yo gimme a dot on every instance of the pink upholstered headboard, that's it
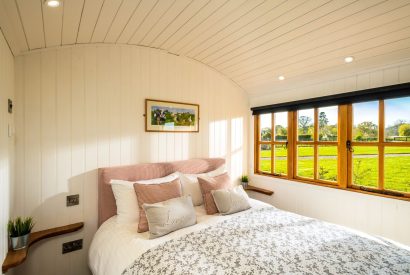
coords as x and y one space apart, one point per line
106 200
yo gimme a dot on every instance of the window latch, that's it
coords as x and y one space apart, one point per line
349 146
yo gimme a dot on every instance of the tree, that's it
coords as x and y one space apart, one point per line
323 121
367 130
266 134
280 130
404 130
304 123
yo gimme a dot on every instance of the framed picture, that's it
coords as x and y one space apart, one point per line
169 116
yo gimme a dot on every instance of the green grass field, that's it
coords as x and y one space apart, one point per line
365 165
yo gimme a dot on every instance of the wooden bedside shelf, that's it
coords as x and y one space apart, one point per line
14 258
259 190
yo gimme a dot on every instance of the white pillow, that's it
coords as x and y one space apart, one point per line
190 185
126 199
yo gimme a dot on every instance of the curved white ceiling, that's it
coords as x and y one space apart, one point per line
250 41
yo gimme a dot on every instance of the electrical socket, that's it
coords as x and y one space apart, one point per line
73 200
72 246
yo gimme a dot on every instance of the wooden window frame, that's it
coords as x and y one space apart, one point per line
345 156
272 143
381 144
315 143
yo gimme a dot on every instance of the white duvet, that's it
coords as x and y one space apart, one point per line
116 245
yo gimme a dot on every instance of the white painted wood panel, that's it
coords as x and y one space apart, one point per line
251 42
126 10
53 22
105 19
84 109
6 142
32 20
371 214
73 10
91 11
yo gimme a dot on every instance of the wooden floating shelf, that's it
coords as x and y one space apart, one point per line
259 190
14 258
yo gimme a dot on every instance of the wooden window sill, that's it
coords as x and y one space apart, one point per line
350 189
259 190
14 258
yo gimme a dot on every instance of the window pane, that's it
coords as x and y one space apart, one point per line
281 126
397 119
396 168
281 159
305 161
305 124
328 123
366 121
266 127
265 158
365 166
327 163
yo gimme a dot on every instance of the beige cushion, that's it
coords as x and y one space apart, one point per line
168 216
207 185
229 201
153 193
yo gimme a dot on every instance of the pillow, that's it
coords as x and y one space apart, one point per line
165 179
170 215
229 201
207 185
126 200
190 186
153 193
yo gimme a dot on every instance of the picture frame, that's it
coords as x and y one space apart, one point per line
171 116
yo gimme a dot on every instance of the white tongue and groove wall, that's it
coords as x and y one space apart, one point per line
6 140
79 108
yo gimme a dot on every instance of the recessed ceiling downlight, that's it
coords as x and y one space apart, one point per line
349 59
281 77
53 3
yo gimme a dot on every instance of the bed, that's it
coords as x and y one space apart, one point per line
260 240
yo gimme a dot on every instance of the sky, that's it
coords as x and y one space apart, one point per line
395 109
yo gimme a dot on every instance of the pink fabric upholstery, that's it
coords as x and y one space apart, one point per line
153 193
207 185
106 200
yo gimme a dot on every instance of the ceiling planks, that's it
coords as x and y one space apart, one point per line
31 17
53 22
124 14
250 41
73 10
106 18
91 11
11 26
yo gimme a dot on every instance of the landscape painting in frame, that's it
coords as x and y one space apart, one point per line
168 116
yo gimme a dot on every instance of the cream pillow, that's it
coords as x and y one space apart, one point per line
126 199
229 201
170 215
190 185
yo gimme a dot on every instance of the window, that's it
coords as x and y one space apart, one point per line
359 146
316 144
272 143
381 145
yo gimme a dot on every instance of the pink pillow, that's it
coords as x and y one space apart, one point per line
207 185
153 193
